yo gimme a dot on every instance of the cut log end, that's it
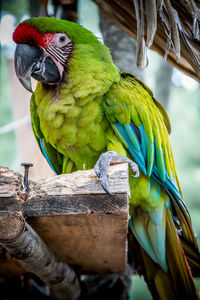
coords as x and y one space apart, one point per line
16 226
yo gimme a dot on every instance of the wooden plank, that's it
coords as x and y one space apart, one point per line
83 225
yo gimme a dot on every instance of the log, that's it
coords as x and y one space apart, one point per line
21 241
84 226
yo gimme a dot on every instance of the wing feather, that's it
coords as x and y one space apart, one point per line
143 129
53 157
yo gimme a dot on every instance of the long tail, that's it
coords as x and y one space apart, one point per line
177 282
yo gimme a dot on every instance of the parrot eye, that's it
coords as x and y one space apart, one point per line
62 39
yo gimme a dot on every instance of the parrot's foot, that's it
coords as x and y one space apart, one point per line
102 165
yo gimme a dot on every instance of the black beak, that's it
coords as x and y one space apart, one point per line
30 61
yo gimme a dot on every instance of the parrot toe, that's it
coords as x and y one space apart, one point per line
102 165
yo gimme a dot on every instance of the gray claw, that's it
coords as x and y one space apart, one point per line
96 168
105 187
102 165
134 168
101 169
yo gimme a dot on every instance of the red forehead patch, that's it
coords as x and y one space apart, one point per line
26 34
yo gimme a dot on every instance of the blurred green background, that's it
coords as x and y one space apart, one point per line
182 103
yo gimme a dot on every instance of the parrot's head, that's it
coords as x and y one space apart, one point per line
47 46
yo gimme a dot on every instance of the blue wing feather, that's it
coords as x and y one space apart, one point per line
46 155
137 155
138 150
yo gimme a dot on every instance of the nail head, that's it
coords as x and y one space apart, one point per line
27 165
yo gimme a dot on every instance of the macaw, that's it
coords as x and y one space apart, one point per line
85 113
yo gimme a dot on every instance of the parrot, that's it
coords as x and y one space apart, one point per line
85 113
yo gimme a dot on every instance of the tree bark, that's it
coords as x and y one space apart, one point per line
21 241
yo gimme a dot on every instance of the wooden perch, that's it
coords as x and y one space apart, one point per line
21 241
84 226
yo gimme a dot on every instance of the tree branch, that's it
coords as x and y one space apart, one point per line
21 241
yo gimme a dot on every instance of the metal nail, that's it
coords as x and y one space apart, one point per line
26 171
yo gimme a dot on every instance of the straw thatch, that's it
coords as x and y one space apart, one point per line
167 26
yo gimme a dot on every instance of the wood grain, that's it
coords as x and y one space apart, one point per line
83 225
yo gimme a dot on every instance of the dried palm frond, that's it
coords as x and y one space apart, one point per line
169 27
141 55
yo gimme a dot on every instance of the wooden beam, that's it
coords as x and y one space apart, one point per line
84 226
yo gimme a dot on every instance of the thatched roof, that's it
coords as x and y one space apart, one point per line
169 27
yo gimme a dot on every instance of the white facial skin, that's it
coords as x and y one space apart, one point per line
56 42
60 40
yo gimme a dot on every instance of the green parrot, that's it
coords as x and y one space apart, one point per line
85 113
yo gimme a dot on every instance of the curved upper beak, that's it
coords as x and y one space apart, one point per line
30 61
25 58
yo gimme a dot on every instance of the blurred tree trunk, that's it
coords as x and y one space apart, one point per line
34 7
122 46
163 83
